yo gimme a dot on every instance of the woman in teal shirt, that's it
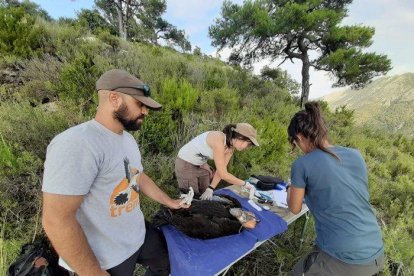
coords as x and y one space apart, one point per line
333 180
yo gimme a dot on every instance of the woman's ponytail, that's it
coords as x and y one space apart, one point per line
310 123
229 132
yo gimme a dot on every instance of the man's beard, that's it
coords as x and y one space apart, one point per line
122 116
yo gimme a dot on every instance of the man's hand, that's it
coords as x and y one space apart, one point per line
207 195
177 204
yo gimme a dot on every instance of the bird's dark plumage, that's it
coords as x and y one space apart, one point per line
205 219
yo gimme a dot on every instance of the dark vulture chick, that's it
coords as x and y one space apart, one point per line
205 219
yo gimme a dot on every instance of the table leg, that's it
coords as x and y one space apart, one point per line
302 236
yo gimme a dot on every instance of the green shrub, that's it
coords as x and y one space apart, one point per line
270 157
19 35
36 92
179 95
157 133
94 22
77 81
9 251
214 78
41 76
65 39
106 37
399 241
219 102
31 129
8 160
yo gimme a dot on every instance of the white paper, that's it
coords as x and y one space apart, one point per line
254 205
280 197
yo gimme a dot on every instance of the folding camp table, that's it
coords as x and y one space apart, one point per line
189 256
286 215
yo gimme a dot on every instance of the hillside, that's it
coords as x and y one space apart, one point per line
386 103
47 84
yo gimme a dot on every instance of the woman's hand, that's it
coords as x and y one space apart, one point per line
251 188
207 195
247 185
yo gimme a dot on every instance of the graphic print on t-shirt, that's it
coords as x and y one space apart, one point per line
125 197
202 157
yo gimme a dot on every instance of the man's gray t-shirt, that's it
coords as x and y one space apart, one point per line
93 161
336 192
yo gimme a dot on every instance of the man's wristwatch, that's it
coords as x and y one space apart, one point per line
211 187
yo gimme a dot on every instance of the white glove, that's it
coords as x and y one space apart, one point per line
251 188
207 195
187 198
252 191
248 186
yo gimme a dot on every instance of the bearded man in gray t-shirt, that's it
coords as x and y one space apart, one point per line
93 175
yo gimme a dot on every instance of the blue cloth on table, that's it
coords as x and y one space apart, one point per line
190 256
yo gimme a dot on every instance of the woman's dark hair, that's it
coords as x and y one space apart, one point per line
231 134
310 123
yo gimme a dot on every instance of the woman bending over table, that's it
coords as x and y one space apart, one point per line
333 180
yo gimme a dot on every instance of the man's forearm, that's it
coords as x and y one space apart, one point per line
71 244
148 187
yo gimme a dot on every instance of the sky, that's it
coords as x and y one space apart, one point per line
393 21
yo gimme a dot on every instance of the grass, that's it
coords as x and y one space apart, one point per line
9 249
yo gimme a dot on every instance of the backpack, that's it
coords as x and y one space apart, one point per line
36 259
265 183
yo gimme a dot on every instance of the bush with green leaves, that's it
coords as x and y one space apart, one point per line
94 22
157 133
65 39
77 81
108 38
219 102
19 35
178 94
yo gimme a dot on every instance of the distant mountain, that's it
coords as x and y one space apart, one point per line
386 103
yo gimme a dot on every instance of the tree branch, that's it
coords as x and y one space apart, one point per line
320 68
283 61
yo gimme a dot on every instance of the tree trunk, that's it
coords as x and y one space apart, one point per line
305 80
121 21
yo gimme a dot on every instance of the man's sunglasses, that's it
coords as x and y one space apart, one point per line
143 87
